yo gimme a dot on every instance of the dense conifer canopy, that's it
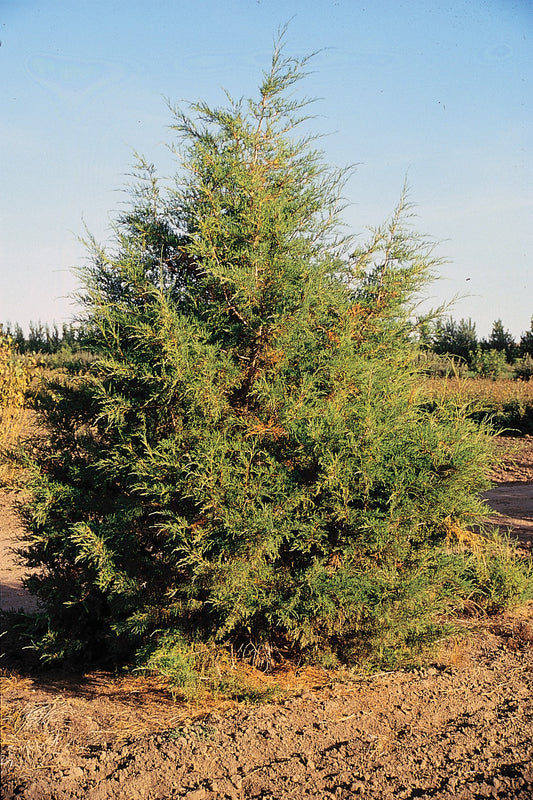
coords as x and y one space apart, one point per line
248 459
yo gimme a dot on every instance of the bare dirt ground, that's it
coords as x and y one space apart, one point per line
458 729
512 497
12 594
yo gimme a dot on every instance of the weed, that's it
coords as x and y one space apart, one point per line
197 670
15 375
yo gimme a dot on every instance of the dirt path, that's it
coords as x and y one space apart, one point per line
460 729
514 504
12 593
512 498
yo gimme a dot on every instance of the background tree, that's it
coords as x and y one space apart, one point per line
455 338
501 341
526 341
249 460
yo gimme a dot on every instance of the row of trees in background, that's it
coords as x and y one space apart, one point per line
497 355
494 356
45 338
444 337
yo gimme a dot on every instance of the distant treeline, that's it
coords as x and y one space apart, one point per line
498 354
494 356
45 338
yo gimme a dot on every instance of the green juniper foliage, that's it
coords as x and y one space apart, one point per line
248 460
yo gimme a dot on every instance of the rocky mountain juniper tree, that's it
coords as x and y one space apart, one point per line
248 460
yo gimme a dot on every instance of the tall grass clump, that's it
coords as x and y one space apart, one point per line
15 376
248 462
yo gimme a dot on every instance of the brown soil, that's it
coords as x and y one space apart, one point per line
512 497
12 594
461 728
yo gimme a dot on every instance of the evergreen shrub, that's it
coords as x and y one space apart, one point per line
247 461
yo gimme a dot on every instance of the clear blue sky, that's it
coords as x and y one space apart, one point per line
438 92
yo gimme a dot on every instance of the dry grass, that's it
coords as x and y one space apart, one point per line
480 390
506 402
30 734
45 720
16 373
